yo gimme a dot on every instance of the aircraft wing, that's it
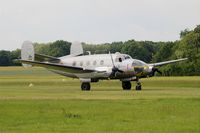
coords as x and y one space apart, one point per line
167 62
56 66
42 58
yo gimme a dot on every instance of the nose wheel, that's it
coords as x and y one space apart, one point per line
138 86
85 86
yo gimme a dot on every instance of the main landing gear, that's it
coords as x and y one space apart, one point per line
126 85
85 86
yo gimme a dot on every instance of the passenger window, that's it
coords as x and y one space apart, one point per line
101 62
120 59
94 63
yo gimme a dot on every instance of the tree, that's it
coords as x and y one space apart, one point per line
57 48
15 55
165 51
5 58
184 33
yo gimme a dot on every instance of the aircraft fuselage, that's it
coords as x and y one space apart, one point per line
103 62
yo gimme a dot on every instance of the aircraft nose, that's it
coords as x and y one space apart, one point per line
148 68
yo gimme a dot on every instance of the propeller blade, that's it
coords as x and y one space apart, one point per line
156 70
114 69
159 72
112 59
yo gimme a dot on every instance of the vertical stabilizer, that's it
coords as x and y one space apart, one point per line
27 52
76 49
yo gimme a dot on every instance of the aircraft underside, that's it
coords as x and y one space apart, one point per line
87 78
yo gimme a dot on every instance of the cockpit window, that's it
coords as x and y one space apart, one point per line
122 57
127 57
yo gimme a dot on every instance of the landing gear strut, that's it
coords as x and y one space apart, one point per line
85 86
126 85
138 86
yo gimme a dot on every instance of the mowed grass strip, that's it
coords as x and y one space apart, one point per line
115 116
35 100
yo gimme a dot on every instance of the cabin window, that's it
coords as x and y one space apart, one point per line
101 62
94 63
120 59
74 63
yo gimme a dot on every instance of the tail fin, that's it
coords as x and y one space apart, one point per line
76 49
27 52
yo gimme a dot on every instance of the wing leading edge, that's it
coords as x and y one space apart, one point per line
167 62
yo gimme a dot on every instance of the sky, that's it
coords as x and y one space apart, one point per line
94 21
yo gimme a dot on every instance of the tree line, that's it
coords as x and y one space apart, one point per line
148 51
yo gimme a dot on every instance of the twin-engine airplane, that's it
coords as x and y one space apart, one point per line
92 68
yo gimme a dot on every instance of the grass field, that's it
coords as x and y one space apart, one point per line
35 100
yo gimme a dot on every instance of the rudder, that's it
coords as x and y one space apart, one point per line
76 49
27 52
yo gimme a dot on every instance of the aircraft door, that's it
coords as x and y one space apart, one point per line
121 63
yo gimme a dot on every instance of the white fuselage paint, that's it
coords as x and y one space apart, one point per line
102 63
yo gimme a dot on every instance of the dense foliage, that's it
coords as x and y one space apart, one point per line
148 51
7 57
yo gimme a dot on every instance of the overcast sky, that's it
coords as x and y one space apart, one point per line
94 21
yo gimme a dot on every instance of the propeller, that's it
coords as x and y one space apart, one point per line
154 70
114 69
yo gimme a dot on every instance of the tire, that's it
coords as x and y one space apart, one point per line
126 85
138 88
85 86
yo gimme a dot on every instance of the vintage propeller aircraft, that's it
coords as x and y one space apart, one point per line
92 68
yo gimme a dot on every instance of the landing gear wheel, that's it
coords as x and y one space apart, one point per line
138 87
85 86
126 85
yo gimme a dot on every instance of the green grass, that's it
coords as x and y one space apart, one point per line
56 104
